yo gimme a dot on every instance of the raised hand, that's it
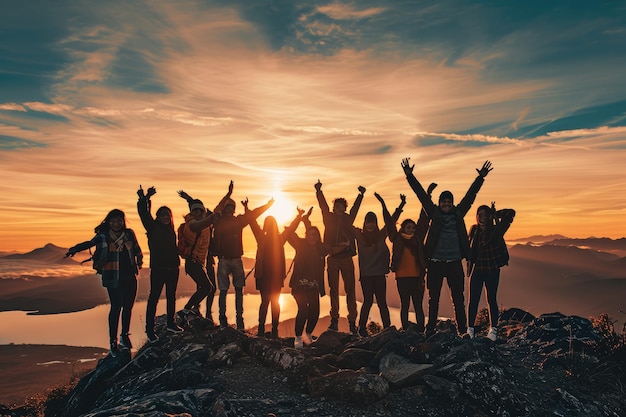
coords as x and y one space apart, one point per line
151 192
139 193
308 213
378 197
244 203
183 194
318 185
300 211
431 187
230 187
406 166
403 198
361 189
485 169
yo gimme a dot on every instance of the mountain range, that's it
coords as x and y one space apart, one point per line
584 277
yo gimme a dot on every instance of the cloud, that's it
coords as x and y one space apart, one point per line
345 12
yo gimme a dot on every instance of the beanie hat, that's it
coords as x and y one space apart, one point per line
230 202
195 204
446 195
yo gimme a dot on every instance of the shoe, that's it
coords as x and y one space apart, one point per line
223 324
493 334
174 328
470 332
125 342
363 332
240 325
210 321
334 325
274 332
114 348
297 342
307 339
429 332
195 311
353 329
152 337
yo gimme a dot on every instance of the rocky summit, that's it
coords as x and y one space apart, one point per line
551 365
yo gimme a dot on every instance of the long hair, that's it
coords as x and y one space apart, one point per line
491 223
161 209
103 227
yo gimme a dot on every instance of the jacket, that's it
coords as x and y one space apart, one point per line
435 215
338 227
161 238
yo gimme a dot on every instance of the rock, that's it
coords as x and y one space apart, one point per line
351 386
407 374
354 358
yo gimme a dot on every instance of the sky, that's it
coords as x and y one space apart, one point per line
97 98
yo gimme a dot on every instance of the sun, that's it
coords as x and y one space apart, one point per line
283 209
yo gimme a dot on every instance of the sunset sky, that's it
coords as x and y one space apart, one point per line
99 97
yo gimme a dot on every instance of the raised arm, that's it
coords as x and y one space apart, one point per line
470 195
143 207
222 203
185 196
390 224
198 225
256 229
398 211
422 195
321 200
253 214
289 230
357 204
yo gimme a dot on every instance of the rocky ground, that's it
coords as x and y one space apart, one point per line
552 365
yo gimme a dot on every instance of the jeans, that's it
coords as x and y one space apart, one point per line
226 268
453 271
122 300
490 279
345 265
308 301
197 272
411 288
160 277
374 286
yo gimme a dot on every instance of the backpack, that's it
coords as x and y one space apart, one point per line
184 248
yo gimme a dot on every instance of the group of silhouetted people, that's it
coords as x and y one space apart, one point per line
423 253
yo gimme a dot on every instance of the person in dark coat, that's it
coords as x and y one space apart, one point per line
446 244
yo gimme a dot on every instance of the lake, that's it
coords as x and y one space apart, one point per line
90 328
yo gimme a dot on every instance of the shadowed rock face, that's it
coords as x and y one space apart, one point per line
546 366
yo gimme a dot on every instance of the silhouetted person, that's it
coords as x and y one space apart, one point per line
488 253
197 236
307 279
164 260
373 257
229 246
407 262
118 259
269 267
446 244
339 237
210 261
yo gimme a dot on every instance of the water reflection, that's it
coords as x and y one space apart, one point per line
89 327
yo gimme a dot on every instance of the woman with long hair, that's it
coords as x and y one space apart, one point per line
269 269
164 261
488 253
373 256
118 259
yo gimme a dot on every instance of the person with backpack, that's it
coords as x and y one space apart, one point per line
164 261
269 267
446 244
488 253
210 257
118 259
194 236
307 279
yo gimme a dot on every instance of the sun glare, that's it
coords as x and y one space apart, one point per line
283 209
